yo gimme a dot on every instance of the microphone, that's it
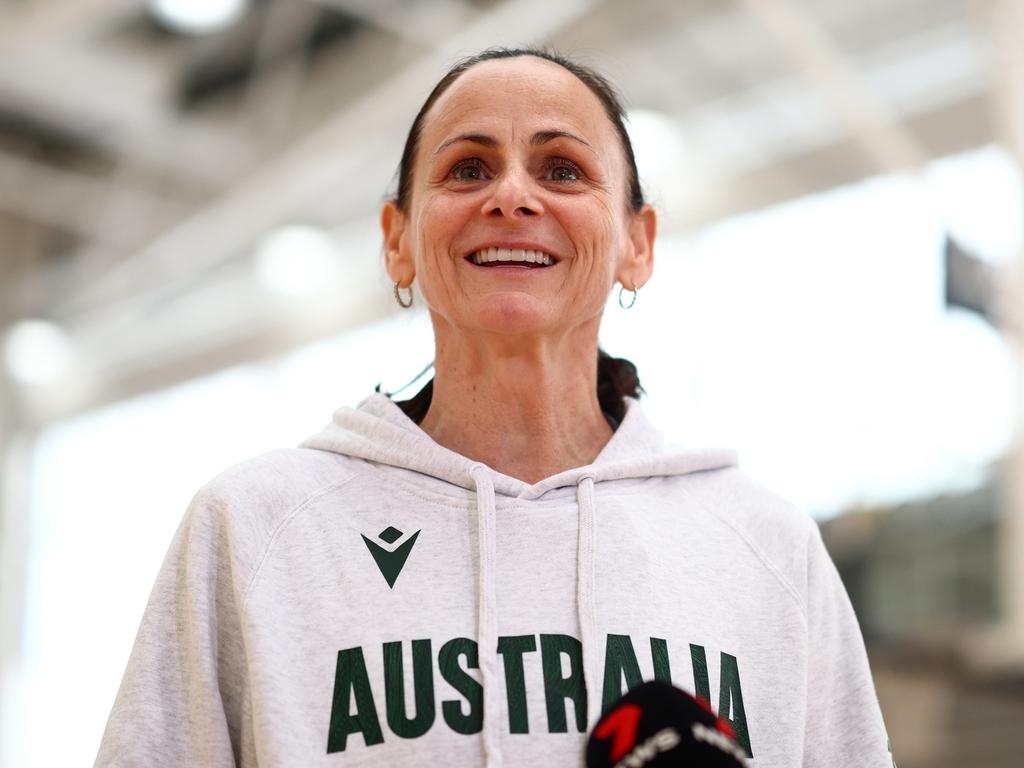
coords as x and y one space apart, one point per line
657 725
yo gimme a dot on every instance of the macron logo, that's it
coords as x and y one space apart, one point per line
390 561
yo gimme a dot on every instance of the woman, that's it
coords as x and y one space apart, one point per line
470 576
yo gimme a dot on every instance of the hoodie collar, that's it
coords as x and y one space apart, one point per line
378 430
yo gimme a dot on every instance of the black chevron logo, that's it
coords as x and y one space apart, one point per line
390 562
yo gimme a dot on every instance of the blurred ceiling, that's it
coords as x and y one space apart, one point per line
140 167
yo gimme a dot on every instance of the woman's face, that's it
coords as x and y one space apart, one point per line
518 158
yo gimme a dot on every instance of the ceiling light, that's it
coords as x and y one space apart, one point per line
197 17
36 351
296 260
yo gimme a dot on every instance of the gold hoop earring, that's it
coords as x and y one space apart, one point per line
398 297
632 301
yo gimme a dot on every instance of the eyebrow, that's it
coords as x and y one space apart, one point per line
543 137
539 138
475 138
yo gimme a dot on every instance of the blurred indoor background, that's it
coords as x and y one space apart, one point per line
191 274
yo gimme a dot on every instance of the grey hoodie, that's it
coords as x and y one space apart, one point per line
374 599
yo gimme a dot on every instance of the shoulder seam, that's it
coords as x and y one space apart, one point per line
765 561
285 521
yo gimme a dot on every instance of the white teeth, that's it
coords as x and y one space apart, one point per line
486 255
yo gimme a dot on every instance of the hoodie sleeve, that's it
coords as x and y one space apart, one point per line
182 697
844 721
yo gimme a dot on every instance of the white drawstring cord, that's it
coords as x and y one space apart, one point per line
585 604
487 616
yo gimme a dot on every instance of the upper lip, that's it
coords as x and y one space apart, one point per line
522 245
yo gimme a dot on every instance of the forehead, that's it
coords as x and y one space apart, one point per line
524 91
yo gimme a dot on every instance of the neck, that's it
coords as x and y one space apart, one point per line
528 411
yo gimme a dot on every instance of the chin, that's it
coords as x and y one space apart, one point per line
508 314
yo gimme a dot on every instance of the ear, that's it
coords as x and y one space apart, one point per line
638 266
397 259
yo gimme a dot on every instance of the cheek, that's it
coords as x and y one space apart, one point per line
597 231
434 233
426 237
437 225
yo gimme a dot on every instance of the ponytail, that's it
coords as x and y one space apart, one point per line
616 378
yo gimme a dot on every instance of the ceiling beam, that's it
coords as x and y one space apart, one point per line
420 23
121 105
944 130
347 160
811 50
76 203
52 69
27 25
317 167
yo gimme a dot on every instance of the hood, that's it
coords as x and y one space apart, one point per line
379 431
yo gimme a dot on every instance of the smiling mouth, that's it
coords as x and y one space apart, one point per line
511 257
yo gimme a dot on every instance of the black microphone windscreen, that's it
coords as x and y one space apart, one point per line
657 725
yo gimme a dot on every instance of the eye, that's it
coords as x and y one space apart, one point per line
468 170
563 171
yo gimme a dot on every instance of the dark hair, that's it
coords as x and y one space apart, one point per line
616 377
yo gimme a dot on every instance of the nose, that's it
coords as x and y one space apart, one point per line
513 195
